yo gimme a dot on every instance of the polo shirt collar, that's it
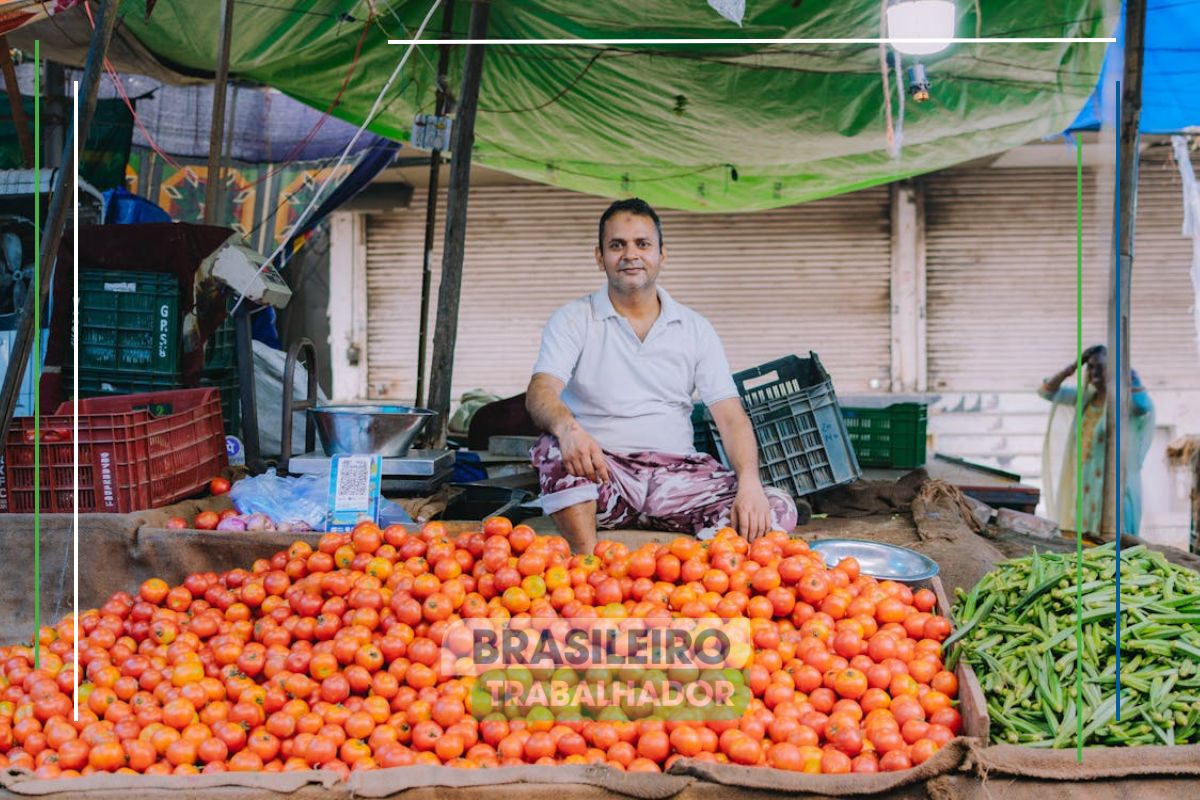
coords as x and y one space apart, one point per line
602 307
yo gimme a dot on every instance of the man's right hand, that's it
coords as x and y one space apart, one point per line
581 454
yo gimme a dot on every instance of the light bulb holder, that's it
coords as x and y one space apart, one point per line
918 83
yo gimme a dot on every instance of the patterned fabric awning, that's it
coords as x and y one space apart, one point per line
15 13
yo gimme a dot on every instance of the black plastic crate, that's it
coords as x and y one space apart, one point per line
803 445
702 436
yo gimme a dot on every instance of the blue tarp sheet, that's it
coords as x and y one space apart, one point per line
1170 76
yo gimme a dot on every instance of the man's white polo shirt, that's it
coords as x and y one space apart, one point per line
634 395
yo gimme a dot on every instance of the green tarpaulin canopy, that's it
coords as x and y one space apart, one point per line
707 128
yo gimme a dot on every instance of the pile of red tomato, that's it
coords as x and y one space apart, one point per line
329 658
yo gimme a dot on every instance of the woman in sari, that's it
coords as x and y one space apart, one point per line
1058 462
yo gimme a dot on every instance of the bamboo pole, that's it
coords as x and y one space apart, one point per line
454 246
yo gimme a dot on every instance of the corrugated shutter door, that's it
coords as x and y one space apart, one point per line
1163 331
811 277
1000 256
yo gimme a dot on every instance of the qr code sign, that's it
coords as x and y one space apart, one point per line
354 483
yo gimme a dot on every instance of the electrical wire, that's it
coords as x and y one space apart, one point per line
366 121
889 130
561 94
291 10
120 87
290 157
299 146
556 165
285 199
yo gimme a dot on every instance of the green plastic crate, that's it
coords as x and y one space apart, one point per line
220 351
893 436
231 399
97 383
102 383
129 321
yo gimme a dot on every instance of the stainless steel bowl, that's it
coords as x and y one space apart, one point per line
879 560
369 428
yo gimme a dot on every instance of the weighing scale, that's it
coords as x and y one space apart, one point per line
419 472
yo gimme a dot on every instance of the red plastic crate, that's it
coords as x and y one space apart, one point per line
129 460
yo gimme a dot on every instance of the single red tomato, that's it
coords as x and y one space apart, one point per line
206 521
218 486
176 524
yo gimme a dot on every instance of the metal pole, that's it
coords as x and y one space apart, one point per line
54 113
56 216
246 395
227 155
216 131
20 121
1120 280
435 167
453 248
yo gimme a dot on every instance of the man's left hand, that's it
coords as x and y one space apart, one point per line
751 512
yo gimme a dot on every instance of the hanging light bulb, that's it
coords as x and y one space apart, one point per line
920 19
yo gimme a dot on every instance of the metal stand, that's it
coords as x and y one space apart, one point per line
245 370
290 405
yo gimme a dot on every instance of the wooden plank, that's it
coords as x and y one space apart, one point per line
216 131
56 218
20 121
972 706
445 333
1120 280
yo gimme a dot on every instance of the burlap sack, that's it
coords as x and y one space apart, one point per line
567 778
870 498
112 557
1009 772
226 786
1099 763
687 779
945 531
944 761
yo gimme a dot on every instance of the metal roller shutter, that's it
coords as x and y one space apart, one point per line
786 281
1000 249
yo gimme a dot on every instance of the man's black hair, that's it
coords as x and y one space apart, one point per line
638 208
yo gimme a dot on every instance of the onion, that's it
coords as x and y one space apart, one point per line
259 522
232 524
301 526
284 527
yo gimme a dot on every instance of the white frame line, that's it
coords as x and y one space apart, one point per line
753 41
75 379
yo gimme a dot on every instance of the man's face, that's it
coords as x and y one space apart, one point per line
630 256
1096 372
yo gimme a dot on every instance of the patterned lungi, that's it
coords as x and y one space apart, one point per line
655 491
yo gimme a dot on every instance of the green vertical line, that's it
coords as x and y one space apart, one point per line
1079 387
37 347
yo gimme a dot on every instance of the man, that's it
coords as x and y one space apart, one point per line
612 388
1060 483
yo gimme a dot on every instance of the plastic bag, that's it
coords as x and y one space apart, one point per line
121 207
268 387
291 500
303 499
